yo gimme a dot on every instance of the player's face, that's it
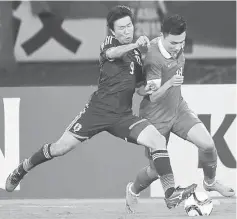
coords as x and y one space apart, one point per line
123 30
174 43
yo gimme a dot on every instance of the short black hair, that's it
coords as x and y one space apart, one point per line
118 12
173 24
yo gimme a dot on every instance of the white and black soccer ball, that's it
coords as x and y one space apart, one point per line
198 204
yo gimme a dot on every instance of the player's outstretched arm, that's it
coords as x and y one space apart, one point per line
117 52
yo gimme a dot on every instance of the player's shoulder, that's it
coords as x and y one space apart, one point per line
153 55
109 40
154 48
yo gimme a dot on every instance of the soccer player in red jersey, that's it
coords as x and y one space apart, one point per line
164 106
110 108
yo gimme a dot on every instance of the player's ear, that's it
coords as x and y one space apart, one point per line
162 35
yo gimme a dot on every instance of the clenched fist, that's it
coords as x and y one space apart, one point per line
142 41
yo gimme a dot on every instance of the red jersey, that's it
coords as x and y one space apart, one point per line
157 66
118 78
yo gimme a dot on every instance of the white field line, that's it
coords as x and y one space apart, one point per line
72 203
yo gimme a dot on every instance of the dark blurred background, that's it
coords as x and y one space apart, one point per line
57 43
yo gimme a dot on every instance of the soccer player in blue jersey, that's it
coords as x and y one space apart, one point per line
110 108
164 106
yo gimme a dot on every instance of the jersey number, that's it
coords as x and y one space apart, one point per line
179 71
132 68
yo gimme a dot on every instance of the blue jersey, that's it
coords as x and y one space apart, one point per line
118 78
156 66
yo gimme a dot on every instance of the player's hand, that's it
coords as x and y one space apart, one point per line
176 80
151 87
143 41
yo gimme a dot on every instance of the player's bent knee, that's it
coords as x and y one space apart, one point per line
158 143
152 138
209 145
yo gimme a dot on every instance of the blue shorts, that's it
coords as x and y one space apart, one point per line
180 125
92 121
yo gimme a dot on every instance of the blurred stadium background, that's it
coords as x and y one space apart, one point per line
210 47
49 67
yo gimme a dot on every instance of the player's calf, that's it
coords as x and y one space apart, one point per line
199 136
151 137
41 156
144 178
65 144
208 160
17 175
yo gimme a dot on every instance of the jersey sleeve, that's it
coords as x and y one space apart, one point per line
108 43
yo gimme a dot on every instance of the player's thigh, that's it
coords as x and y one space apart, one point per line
88 123
72 135
124 127
183 122
140 131
189 127
200 136
151 138
164 128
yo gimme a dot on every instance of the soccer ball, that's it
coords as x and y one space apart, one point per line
198 204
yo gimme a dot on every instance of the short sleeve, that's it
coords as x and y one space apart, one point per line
108 43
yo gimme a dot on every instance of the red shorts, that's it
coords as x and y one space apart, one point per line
179 125
92 121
